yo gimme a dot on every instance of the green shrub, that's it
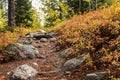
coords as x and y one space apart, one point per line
3 22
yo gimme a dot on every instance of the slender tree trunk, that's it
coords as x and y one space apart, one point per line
80 6
60 10
11 13
96 4
90 5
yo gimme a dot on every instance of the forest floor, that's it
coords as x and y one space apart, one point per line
48 66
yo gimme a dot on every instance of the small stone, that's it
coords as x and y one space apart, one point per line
43 31
53 39
8 73
35 66
49 46
92 76
43 40
96 76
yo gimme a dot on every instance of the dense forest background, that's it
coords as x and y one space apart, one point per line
21 12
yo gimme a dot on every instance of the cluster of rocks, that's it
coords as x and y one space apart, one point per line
77 61
24 49
18 51
41 35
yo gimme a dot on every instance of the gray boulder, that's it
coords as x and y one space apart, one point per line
30 51
73 63
18 51
38 35
23 72
96 76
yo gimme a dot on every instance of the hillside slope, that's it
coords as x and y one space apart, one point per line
96 33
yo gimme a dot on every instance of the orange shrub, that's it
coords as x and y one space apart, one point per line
8 37
96 33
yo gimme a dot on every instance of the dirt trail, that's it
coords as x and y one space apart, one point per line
49 64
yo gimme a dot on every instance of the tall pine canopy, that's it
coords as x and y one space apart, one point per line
23 12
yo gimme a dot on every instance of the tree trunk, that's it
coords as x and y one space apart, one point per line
11 13
96 4
60 10
81 6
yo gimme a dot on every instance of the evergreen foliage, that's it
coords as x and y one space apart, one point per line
59 10
23 13
55 12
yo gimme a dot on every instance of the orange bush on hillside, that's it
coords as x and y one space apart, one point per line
8 37
96 33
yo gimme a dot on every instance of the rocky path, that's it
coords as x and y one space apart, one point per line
39 51
48 65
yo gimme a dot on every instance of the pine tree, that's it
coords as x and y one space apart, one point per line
23 12
78 6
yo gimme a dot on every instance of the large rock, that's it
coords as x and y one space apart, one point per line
73 63
96 76
23 72
38 35
18 51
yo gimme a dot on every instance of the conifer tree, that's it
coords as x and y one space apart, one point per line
23 14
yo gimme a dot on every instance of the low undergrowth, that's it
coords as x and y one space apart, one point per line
12 35
9 37
96 33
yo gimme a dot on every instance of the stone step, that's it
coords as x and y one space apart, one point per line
48 74
44 78
46 68
50 78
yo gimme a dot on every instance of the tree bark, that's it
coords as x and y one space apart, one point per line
60 10
11 13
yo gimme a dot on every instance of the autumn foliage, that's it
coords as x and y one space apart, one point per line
96 33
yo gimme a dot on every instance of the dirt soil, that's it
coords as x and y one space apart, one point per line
49 64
